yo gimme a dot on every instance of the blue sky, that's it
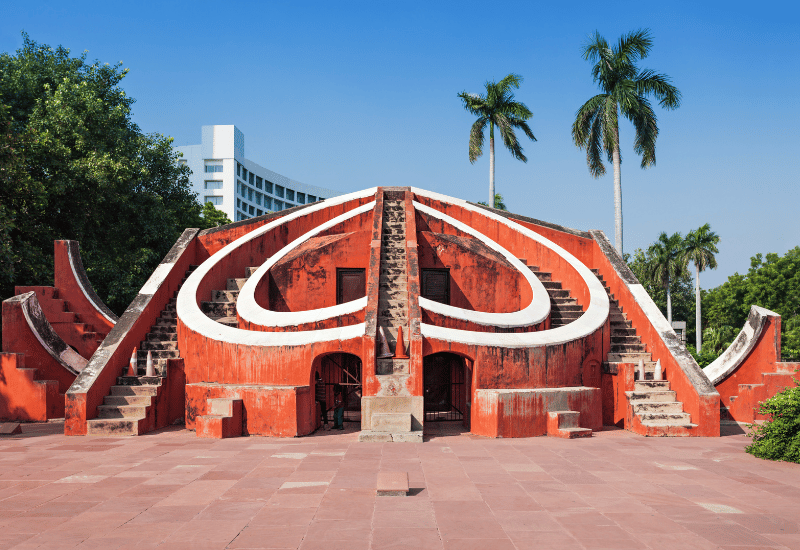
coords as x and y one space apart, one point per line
348 95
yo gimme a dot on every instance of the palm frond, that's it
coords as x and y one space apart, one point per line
473 103
648 82
510 81
594 147
476 138
634 46
510 138
584 118
646 124
610 121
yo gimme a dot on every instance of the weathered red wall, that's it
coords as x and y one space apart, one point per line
306 278
22 396
281 412
524 414
478 281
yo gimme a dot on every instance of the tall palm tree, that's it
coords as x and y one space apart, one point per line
497 108
699 248
624 88
666 264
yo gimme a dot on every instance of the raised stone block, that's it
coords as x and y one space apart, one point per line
392 404
10 428
392 484
391 422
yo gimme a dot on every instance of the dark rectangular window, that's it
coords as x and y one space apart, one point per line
278 205
351 284
268 186
279 191
312 198
258 211
244 174
238 169
268 203
252 210
301 197
436 285
258 182
289 195
252 179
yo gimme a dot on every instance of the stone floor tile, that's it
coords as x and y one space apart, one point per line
270 537
478 544
415 538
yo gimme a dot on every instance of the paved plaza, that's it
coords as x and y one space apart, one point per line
172 490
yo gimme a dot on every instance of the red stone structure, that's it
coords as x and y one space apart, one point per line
751 370
48 335
513 326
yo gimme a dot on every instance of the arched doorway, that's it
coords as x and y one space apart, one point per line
342 370
446 388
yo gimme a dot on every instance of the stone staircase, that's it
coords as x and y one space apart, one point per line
388 415
563 307
564 424
224 419
222 307
652 402
128 409
82 337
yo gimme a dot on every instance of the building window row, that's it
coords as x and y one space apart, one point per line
213 166
216 201
259 183
213 184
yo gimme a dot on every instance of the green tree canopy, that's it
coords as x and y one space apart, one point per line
498 202
75 166
773 282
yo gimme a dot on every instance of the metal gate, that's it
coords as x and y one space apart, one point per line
444 386
343 370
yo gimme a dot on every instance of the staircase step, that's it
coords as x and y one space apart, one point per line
648 385
652 396
130 391
162 337
122 400
235 284
665 419
121 411
643 407
158 345
114 426
224 295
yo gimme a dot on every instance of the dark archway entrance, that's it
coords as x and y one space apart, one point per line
344 370
445 387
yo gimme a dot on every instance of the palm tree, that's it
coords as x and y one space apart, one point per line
625 88
699 248
666 264
497 108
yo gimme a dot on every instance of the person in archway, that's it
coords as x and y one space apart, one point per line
319 393
338 411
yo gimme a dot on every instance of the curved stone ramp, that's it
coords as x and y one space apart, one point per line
750 371
592 320
532 314
196 321
86 300
733 357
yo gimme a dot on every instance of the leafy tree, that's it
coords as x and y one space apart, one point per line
75 166
680 287
624 88
498 202
699 248
665 264
497 108
213 217
773 282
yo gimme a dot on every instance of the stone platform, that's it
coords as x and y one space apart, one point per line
172 490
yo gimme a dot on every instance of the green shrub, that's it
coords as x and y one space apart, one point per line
778 438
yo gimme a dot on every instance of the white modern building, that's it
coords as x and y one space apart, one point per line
239 187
